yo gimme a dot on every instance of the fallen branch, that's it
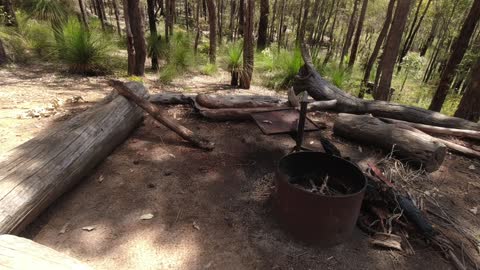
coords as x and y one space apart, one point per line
172 98
160 116
462 133
323 105
212 101
232 113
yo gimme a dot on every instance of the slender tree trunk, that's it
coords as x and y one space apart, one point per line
83 13
460 47
136 25
220 21
316 12
321 35
378 45
197 22
101 14
248 49
392 47
332 41
431 36
185 6
263 25
299 19
411 34
351 27
280 26
303 26
212 21
3 54
153 31
233 4
272 24
469 107
11 19
241 17
356 40
130 47
117 17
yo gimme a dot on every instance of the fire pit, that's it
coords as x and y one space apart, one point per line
318 197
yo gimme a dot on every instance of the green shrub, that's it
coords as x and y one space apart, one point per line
85 52
234 56
279 68
179 56
16 45
209 69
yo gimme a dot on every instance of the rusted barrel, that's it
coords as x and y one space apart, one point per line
324 220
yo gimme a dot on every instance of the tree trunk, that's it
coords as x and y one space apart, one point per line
469 107
392 47
101 13
280 26
263 25
36 173
153 32
431 35
117 17
197 22
412 34
11 19
185 7
233 8
139 45
213 101
248 52
415 148
303 26
21 253
241 17
3 54
460 47
378 45
130 47
356 40
220 22
83 13
309 80
351 27
272 23
212 21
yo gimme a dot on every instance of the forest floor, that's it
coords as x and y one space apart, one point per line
211 210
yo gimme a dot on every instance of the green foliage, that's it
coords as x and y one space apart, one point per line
209 69
179 56
234 56
50 10
15 44
85 52
279 68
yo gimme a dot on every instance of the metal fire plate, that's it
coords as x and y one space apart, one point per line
281 121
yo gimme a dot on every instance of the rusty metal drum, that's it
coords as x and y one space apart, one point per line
323 220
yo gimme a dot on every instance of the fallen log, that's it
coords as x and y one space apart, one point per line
323 105
212 101
228 114
18 253
462 133
309 80
161 117
172 98
413 147
37 172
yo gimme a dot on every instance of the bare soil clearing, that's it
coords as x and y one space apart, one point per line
211 210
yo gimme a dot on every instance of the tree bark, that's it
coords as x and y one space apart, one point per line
415 148
280 26
185 7
21 253
83 13
241 17
152 23
197 22
101 13
431 35
303 25
263 25
351 27
136 26
212 101
469 107
358 33
378 45
392 47
161 117
459 49
130 47
309 80
212 21
117 17
36 173
220 22
11 19
248 52
233 8
3 54
272 23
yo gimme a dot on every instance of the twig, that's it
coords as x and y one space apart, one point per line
324 185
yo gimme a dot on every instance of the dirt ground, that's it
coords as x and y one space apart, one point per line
211 210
